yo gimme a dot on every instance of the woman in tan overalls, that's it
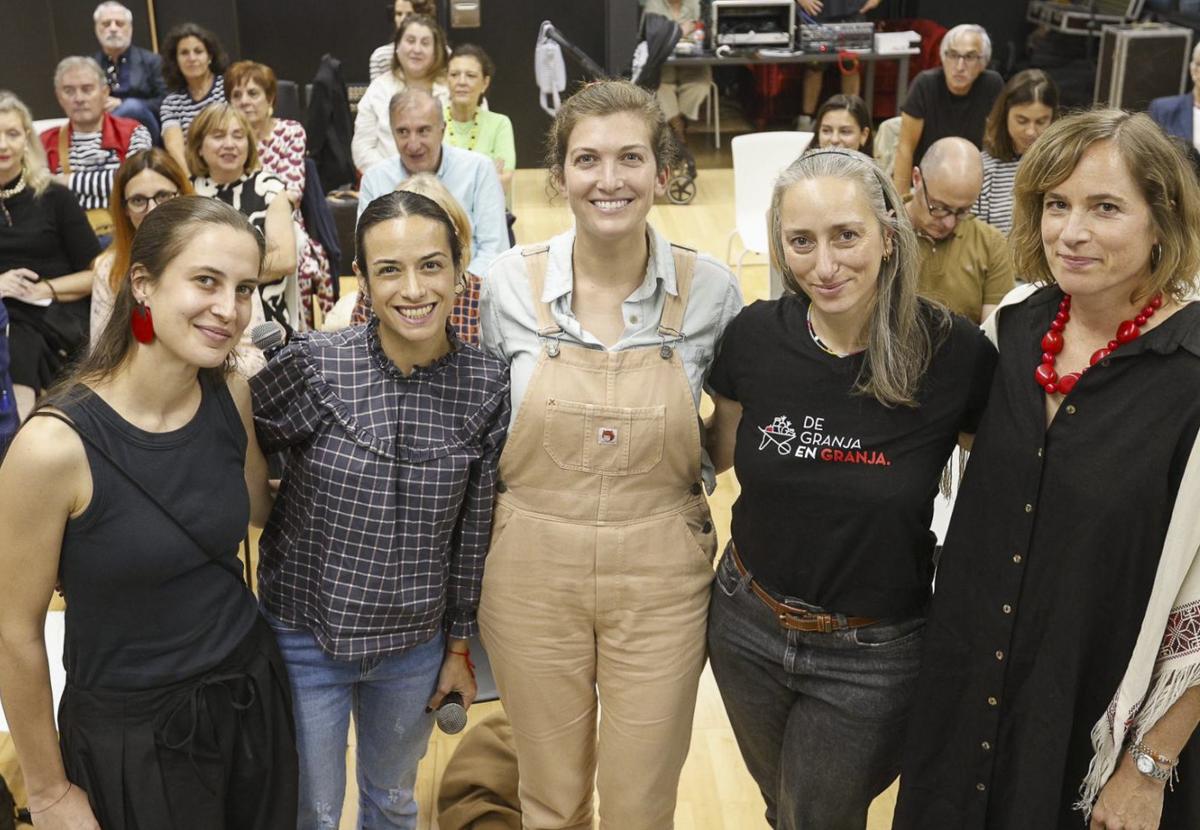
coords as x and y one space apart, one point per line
595 591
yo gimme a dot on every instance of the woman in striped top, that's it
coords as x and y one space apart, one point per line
193 63
1023 111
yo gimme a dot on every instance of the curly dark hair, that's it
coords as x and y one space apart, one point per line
170 48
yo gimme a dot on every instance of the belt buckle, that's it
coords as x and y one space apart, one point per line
825 623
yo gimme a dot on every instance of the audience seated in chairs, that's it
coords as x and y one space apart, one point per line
223 161
143 182
418 62
468 125
281 150
844 121
193 66
1023 111
85 153
965 262
135 81
470 177
46 246
381 58
953 100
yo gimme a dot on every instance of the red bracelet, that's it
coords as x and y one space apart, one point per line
466 655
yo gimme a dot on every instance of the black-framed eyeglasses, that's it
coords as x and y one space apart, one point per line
969 58
140 203
941 211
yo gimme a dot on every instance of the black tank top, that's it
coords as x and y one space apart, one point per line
146 606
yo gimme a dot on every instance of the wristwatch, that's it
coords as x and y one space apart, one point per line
1150 764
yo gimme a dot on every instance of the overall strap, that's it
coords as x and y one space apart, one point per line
91 442
64 148
537 259
671 324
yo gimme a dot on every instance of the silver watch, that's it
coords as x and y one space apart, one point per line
1148 764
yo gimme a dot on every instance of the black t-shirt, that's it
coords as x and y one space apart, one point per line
946 114
837 489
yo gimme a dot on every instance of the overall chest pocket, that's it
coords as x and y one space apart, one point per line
604 440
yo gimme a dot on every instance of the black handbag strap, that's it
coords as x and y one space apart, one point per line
91 442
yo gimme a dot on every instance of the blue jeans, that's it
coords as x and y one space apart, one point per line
819 718
388 696
139 110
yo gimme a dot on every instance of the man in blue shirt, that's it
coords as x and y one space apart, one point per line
134 74
418 127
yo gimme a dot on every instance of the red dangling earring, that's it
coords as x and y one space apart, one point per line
142 323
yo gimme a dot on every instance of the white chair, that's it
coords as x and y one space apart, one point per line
42 124
758 158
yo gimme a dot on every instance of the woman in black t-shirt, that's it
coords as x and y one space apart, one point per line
839 405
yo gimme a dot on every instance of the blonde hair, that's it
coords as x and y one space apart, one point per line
431 187
213 117
902 332
1163 175
33 160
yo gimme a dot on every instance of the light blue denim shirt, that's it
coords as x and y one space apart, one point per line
508 322
471 178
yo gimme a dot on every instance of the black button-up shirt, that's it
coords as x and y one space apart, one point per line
383 518
1045 576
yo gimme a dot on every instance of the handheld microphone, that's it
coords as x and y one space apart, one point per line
451 715
270 336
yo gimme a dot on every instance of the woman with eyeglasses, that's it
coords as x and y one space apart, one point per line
838 405
953 99
143 182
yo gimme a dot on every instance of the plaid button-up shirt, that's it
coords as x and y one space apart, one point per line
383 518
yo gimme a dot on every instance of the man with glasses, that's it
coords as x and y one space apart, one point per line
965 263
1178 114
952 100
135 81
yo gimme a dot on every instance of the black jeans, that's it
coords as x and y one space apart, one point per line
819 718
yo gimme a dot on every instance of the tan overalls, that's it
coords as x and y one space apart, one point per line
599 574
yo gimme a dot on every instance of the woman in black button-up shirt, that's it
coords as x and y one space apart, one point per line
1063 651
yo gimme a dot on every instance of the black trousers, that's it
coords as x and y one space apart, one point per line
214 751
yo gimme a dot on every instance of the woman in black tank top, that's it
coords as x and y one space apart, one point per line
128 488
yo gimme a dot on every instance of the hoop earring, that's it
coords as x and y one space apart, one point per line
141 322
1155 256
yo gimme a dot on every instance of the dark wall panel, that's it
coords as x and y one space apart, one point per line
218 16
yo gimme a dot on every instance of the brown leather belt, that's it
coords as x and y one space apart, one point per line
798 619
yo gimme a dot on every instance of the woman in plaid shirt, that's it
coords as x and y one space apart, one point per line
373 556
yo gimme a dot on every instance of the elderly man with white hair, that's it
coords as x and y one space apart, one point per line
85 152
951 100
134 74
1178 114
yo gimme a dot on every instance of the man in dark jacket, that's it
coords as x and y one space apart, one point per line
1176 114
135 81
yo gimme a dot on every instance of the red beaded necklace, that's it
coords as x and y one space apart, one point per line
1052 344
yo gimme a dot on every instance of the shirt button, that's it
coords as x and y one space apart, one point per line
986 746
633 318
1070 409
1006 608
992 701
1016 559
1040 452
999 655
501 487
980 786
1028 508
696 488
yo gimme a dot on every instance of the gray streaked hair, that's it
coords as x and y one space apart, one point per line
967 29
111 5
900 338
72 62
408 98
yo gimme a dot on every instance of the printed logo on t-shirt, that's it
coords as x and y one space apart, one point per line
816 444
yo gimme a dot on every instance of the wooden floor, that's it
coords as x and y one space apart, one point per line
716 792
